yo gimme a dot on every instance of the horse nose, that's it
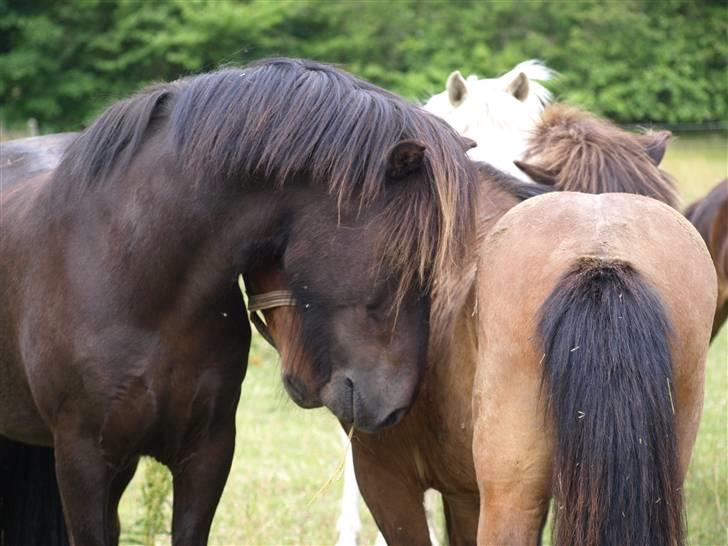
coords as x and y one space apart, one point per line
298 392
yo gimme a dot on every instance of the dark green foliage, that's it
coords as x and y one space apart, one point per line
632 60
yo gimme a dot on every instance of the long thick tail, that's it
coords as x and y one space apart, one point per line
607 372
30 503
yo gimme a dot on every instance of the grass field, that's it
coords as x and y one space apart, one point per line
284 454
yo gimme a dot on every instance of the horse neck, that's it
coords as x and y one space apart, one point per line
153 231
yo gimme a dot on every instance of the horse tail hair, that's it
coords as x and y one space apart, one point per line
607 373
30 502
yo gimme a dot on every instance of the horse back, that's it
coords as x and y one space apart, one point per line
537 242
24 158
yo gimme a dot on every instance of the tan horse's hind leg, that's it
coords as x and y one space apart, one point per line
511 449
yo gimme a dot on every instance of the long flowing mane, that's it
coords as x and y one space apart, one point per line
589 154
284 119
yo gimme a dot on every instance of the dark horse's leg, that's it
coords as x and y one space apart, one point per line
118 485
84 479
198 481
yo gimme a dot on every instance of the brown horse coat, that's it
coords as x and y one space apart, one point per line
709 215
522 261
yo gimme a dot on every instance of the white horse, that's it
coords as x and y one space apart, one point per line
499 115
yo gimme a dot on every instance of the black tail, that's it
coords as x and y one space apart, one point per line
607 371
30 503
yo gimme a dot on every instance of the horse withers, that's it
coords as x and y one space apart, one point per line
123 329
594 323
709 215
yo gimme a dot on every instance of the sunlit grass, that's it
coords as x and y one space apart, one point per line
284 454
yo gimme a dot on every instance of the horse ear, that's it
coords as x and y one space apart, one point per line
656 145
404 158
468 143
537 174
519 87
457 89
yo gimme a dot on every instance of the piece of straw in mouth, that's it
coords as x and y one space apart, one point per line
336 475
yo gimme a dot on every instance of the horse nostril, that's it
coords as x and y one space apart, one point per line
393 418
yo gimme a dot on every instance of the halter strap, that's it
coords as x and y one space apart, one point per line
268 300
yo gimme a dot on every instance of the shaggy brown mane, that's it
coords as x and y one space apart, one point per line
282 120
589 154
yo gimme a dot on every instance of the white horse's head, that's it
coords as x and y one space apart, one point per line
497 113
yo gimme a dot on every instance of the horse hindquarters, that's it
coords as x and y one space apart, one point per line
30 504
608 375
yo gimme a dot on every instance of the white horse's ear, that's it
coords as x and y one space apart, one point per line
519 87
457 89
656 145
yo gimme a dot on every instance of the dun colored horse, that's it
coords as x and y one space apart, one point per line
574 150
123 329
709 215
594 315
431 447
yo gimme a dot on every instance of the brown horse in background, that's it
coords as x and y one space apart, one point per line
574 150
594 315
123 329
431 447
709 215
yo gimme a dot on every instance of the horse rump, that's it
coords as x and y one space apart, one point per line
30 503
608 378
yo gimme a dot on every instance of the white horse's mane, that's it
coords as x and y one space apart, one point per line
497 113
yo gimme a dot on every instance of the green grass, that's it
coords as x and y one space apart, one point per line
284 454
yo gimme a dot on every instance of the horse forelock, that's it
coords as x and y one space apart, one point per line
281 120
590 154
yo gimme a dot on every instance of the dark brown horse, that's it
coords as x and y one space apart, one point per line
27 157
709 215
431 447
123 329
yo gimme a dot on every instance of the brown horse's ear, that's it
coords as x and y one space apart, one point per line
656 145
457 89
468 143
519 87
404 158
537 174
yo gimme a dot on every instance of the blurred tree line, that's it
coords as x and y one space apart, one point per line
61 61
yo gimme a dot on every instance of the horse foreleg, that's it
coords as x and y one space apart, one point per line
198 480
461 518
394 497
349 523
116 489
84 479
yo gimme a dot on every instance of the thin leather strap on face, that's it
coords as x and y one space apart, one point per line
268 300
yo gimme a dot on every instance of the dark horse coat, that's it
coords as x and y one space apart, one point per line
123 331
